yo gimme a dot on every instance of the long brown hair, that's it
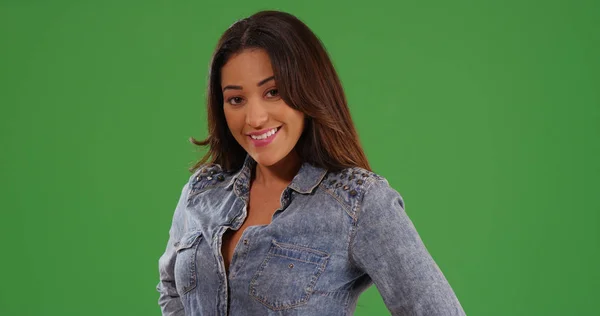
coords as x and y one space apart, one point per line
306 81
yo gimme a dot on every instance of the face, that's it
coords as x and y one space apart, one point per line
261 122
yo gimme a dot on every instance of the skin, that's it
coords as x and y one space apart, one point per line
251 104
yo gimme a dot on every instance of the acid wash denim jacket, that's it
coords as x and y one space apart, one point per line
334 235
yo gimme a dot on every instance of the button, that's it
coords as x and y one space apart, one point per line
245 241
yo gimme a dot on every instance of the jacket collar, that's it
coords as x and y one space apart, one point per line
305 181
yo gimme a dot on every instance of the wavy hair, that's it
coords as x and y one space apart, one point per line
306 81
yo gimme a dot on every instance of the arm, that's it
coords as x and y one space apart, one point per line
387 247
169 300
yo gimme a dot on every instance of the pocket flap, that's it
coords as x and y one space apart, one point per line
188 240
301 253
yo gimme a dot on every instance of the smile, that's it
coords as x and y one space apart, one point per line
265 135
265 138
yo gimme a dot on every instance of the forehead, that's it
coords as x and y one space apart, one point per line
250 65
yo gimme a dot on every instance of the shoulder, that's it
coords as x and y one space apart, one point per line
207 176
350 186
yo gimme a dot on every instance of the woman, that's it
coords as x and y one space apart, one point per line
286 217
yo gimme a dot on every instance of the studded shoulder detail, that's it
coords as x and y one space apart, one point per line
207 176
349 185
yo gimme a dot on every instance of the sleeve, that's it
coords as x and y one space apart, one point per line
387 247
169 300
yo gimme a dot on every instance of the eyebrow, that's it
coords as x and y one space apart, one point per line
260 83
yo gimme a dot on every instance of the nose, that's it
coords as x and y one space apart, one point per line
256 114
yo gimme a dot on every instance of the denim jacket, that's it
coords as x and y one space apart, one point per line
334 235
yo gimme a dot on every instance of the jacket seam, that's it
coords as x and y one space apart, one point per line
347 209
192 193
355 223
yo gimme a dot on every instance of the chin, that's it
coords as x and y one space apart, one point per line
267 160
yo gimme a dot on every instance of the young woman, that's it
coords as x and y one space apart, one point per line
284 216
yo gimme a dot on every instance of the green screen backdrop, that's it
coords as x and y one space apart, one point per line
484 115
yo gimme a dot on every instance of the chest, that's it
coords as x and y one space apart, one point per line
287 254
262 205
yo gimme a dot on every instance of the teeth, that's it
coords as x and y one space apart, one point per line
265 135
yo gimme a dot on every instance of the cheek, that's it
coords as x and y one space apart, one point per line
233 119
298 119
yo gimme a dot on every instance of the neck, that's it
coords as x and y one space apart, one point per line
279 174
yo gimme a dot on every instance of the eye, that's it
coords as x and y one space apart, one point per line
235 100
273 93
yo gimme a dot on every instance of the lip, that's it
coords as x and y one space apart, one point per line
261 132
263 142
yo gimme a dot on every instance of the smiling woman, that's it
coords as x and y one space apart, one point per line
305 79
283 215
255 112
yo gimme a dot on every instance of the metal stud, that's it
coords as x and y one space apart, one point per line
346 188
359 181
291 265
353 193
209 178
339 184
220 177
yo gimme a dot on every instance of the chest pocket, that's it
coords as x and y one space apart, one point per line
186 276
287 276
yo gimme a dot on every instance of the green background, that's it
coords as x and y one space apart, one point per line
484 115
